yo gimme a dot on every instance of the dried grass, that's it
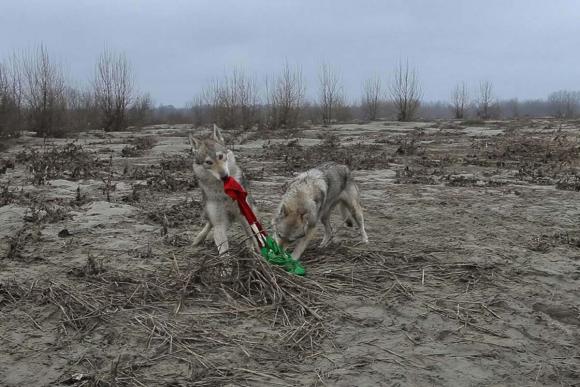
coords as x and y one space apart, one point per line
187 308
298 159
519 146
70 161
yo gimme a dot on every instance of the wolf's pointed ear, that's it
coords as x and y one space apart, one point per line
217 134
194 143
230 156
283 210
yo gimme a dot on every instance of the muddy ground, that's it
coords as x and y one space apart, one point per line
471 276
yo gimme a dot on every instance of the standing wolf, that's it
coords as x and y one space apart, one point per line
212 164
310 198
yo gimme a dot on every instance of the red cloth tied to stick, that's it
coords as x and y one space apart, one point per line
235 191
268 246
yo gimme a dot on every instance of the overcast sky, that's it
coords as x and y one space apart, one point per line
527 48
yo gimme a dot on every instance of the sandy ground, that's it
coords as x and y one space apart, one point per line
471 277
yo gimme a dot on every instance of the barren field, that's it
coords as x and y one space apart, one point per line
471 276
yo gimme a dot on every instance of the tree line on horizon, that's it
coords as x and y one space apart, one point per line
36 95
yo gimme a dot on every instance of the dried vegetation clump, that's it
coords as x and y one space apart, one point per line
542 158
138 146
186 212
529 147
7 195
186 310
194 312
297 158
171 175
182 163
6 164
70 161
539 158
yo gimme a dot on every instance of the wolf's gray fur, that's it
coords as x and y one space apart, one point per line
310 198
212 163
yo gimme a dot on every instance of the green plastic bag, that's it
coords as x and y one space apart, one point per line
276 255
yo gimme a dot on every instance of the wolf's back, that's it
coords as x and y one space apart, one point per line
336 175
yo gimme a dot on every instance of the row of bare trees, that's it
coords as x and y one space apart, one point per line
285 103
404 93
485 103
565 103
234 101
36 95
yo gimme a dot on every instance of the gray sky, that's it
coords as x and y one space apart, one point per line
527 48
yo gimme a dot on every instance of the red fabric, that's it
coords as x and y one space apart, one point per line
235 191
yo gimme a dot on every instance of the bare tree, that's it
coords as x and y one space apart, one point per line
246 98
285 98
16 90
198 110
459 100
82 112
211 96
3 79
330 92
564 103
44 93
405 92
233 101
311 112
141 110
485 100
8 106
513 107
371 99
5 100
113 87
342 111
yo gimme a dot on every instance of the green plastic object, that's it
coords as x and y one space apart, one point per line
276 255
273 253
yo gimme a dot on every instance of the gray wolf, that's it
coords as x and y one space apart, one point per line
310 198
212 164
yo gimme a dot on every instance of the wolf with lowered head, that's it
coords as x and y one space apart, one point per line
212 164
310 198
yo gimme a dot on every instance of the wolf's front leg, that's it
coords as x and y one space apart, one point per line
221 239
202 234
303 243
